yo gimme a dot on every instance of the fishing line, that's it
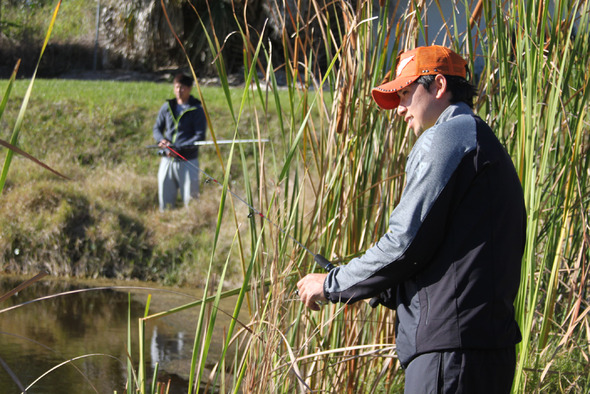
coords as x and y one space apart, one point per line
321 260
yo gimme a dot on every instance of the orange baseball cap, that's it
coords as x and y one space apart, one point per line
412 64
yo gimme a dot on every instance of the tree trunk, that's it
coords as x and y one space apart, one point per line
135 34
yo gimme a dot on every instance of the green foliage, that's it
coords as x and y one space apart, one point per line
26 21
342 173
106 222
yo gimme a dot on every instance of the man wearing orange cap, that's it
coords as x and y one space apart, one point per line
450 264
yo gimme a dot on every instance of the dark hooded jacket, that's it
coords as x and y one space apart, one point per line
182 130
450 265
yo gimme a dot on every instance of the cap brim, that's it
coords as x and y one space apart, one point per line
386 96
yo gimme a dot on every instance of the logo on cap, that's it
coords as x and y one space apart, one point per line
402 64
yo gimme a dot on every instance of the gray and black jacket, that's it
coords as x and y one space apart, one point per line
182 130
450 264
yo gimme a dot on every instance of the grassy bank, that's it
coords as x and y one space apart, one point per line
105 221
26 21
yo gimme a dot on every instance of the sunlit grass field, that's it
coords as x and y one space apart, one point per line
105 220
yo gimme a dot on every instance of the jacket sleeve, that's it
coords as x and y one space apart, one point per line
416 224
160 125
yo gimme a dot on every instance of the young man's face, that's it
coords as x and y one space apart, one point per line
182 92
420 107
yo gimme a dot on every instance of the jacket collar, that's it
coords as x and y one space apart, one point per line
452 111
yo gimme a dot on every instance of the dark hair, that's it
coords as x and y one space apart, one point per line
184 79
461 89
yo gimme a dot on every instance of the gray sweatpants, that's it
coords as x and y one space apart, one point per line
174 175
468 371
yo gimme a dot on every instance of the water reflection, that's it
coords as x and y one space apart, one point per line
92 326
166 348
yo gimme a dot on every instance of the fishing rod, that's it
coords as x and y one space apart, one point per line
318 258
218 142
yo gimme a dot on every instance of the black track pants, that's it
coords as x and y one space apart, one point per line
465 371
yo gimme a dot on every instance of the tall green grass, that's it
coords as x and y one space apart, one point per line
342 173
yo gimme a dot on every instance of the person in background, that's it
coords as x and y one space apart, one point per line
450 264
180 123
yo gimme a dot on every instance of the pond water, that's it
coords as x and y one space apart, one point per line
88 324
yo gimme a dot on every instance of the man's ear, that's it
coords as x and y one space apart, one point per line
440 84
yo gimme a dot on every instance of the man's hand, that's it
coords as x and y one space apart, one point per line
311 290
163 144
